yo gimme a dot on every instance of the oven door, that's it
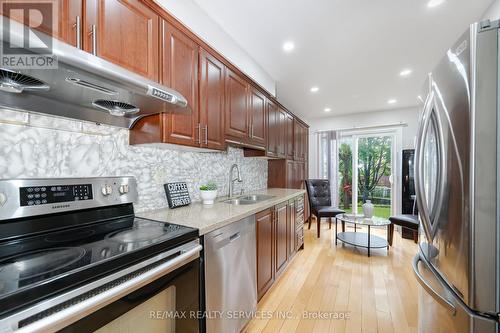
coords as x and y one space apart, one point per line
167 305
159 294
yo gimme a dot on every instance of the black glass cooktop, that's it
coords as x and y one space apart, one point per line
38 266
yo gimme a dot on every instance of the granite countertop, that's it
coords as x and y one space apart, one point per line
207 218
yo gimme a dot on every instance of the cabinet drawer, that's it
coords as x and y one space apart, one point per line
300 204
299 219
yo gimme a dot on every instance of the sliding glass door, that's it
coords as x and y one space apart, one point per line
365 172
362 165
374 176
345 173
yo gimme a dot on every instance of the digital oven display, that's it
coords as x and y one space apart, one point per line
41 195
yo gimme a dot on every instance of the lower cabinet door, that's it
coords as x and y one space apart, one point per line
264 225
291 232
281 237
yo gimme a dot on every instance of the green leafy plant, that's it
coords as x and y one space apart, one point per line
210 186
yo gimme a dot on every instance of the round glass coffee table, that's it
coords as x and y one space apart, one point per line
362 239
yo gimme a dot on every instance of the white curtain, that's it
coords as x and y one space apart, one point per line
329 166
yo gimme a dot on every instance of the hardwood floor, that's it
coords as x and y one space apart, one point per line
378 294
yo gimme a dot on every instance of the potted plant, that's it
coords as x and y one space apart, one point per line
208 193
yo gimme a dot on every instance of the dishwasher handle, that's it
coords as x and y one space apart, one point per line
218 245
234 237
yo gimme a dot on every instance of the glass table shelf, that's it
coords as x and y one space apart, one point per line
362 239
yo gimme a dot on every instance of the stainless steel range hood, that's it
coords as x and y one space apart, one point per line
82 86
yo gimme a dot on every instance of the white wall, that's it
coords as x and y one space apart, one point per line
207 29
408 116
493 13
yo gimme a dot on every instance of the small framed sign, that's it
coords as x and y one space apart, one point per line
177 194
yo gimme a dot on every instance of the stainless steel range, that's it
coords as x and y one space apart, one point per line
74 257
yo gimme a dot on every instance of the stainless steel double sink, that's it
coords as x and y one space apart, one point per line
248 199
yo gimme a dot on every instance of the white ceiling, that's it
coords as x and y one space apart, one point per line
353 50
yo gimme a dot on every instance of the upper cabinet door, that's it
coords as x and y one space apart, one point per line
272 129
212 73
64 13
257 118
180 72
281 133
237 122
72 22
290 135
299 141
125 32
305 143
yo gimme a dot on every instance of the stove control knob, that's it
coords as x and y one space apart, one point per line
123 189
106 190
3 199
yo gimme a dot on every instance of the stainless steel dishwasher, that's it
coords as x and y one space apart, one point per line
230 276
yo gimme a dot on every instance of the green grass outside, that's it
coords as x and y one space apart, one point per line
383 211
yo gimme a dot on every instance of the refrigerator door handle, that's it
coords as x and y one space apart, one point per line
440 299
419 186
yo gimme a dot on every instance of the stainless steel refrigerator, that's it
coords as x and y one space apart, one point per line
457 174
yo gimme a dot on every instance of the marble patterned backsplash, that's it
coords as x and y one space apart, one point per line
37 146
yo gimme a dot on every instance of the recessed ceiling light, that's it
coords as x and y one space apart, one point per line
392 101
314 89
328 109
288 46
405 72
435 3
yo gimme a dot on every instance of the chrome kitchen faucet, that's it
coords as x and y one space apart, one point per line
232 180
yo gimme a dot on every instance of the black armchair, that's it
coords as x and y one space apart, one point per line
320 201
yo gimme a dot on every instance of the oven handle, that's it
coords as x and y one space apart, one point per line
78 311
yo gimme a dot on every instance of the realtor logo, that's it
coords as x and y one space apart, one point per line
26 36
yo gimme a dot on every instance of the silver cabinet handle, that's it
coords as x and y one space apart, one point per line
93 32
206 134
198 127
78 28
440 299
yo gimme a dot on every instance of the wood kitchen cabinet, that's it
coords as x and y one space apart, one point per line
281 214
300 141
71 17
202 123
258 115
64 17
245 112
278 239
125 32
212 74
180 72
292 229
282 133
237 121
286 174
264 224
180 65
289 137
272 129
300 207
224 105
